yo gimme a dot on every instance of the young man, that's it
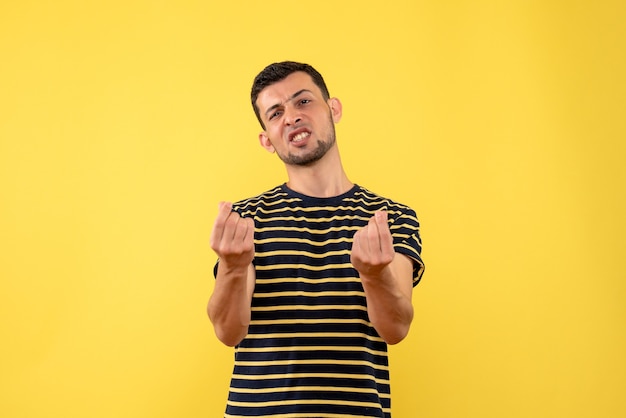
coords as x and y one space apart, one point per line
315 276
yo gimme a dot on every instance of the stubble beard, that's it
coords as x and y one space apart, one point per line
315 155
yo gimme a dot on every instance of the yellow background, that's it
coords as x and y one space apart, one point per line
124 123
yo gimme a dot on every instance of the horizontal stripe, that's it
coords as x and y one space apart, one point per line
405 246
308 389
306 321
312 281
311 375
305 267
284 217
304 402
309 348
317 335
318 209
309 308
302 241
299 415
316 362
301 253
308 294
324 231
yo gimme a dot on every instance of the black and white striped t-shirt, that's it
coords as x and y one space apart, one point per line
311 350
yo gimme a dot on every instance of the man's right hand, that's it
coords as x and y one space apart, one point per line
232 238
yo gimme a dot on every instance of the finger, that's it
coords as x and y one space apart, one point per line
240 230
223 211
356 240
230 227
384 234
356 252
249 236
373 239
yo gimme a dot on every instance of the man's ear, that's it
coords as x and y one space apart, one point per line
265 142
336 109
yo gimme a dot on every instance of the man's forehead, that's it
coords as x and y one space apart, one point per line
284 89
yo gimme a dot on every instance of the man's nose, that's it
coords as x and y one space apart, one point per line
292 116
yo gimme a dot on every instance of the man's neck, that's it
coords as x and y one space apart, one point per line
326 178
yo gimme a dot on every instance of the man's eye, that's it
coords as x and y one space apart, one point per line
305 101
275 114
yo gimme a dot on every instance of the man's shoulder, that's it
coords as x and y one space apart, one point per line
271 196
369 197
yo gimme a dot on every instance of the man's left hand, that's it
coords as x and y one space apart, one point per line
372 246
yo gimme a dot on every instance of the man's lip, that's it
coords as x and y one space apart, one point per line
295 132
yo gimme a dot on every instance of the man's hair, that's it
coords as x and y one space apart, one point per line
278 71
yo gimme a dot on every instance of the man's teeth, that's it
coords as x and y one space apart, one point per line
300 137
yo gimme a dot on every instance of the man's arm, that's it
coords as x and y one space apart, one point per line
387 279
232 239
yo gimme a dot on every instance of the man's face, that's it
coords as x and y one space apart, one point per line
299 123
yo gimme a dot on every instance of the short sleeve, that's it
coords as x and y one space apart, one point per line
404 227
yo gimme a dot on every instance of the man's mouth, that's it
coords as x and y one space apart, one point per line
300 137
299 134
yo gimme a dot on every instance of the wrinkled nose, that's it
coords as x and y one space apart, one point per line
292 116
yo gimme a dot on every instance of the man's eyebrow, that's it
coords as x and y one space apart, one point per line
293 96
